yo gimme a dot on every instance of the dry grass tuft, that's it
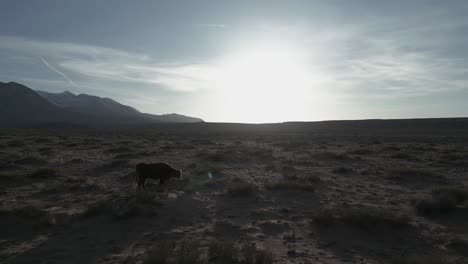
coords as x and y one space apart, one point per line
43 173
362 151
453 159
442 201
226 252
119 150
191 252
291 186
362 217
168 252
240 154
241 188
415 175
95 209
404 156
421 260
30 160
343 170
460 195
27 212
328 155
148 198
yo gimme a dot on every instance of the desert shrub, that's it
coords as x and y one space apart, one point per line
362 217
251 255
203 142
328 155
95 209
270 167
343 170
222 252
76 161
15 143
435 205
168 252
207 171
290 173
42 140
414 174
9 156
443 200
126 156
124 208
241 188
46 150
362 151
119 150
147 198
293 145
116 207
288 170
192 252
218 156
457 159
459 244
27 212
391 148
11 176
119 163
291 185
421 260
460 195
31 160
404 156
239 154
311 178
43 173
212 183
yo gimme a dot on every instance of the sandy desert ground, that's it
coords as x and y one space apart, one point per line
257 195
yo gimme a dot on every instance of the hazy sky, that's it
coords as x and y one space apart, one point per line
246 61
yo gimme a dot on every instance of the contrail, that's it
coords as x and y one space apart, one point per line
61 73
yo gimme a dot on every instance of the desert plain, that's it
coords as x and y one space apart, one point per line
332 192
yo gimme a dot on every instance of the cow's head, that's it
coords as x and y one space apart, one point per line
177 174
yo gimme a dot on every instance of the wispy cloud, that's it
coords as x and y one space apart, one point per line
59 72
355 62
211 25
369 64
93 64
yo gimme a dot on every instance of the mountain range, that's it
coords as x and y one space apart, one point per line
21 106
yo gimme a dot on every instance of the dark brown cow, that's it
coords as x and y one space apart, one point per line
160 171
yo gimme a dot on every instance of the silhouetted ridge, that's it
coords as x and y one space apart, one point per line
22 106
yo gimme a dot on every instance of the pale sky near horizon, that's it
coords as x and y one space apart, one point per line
246 61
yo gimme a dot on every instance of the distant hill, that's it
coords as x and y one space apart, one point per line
92 105
174 118
22 106
106 107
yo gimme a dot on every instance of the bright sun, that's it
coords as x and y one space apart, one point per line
264 85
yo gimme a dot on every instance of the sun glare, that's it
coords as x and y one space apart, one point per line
264 85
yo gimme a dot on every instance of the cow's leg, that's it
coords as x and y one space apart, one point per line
143 184
161 182
138 183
